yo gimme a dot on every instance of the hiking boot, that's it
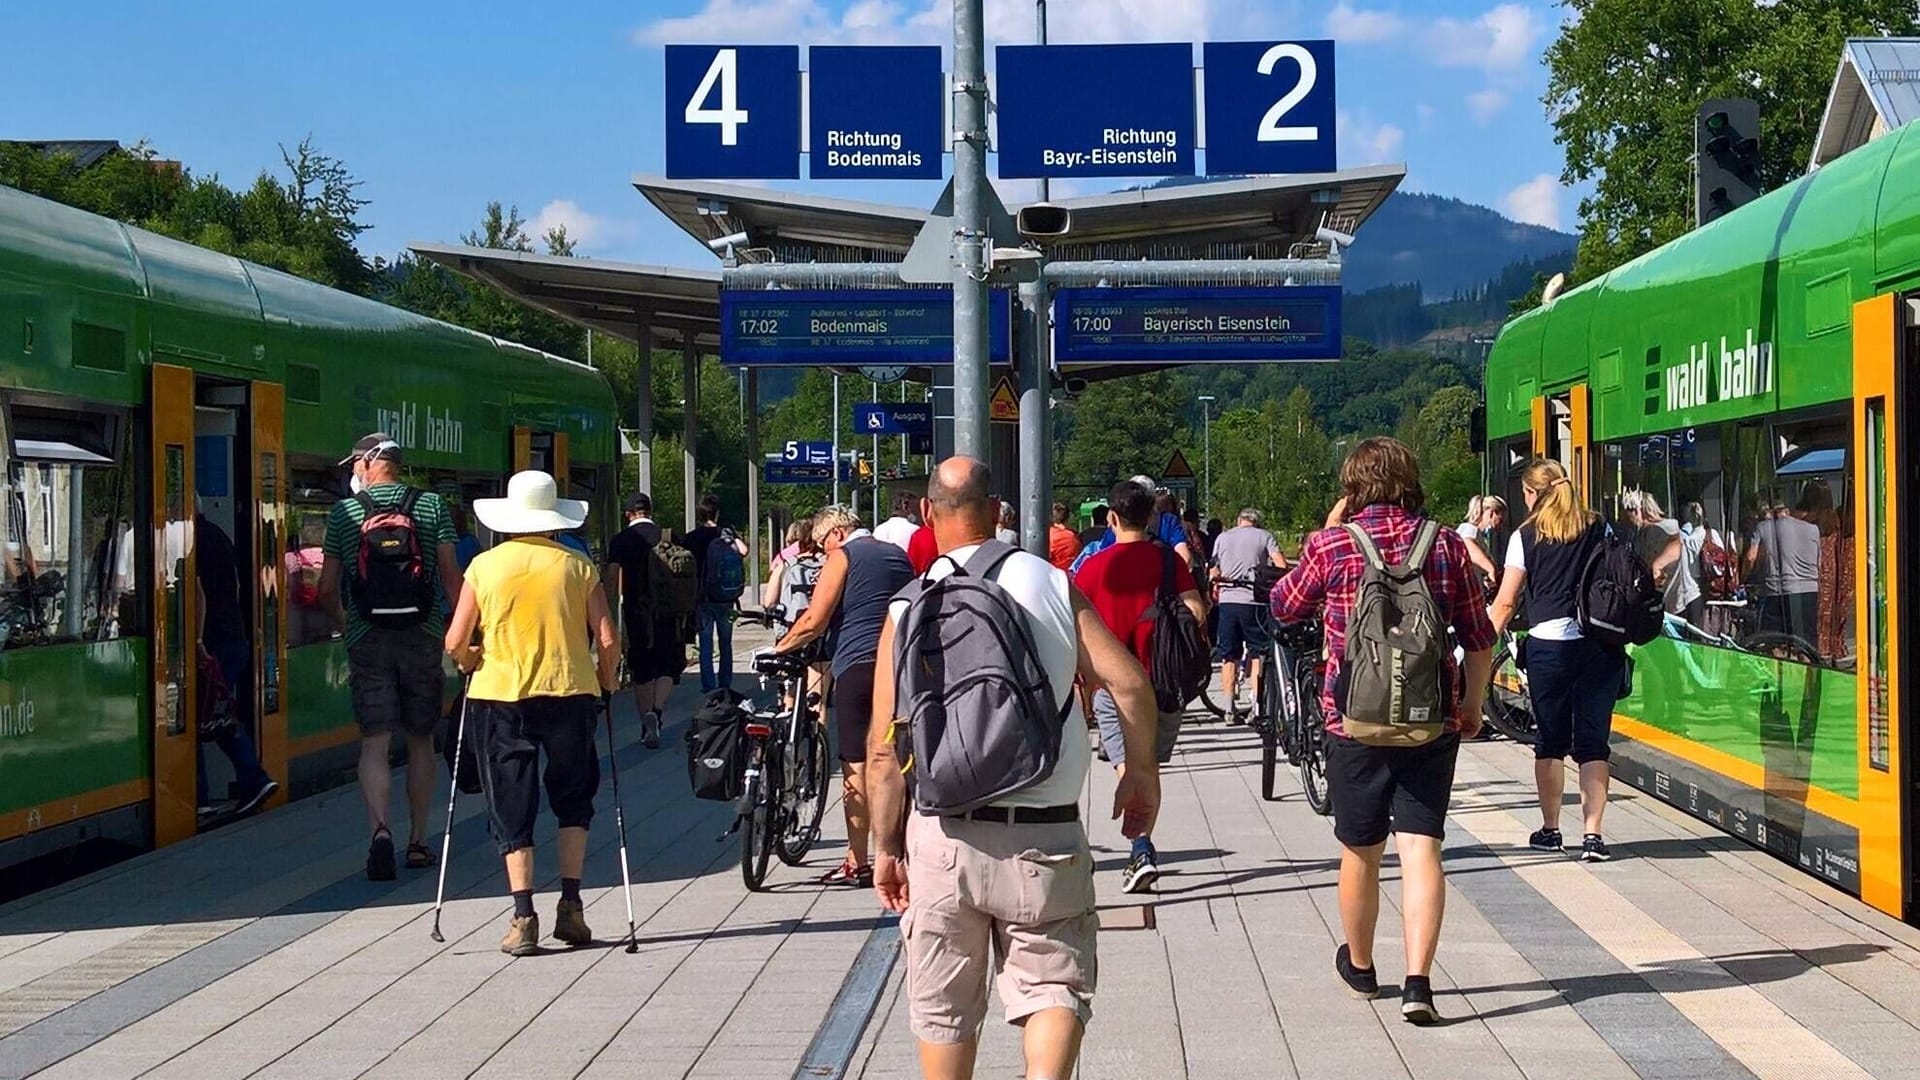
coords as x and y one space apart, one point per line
1546 840
1594 849
259 795
380 857
649 738
1363 983
1141 872
1416 1001
522 937
570 924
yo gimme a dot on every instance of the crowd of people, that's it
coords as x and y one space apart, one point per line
1108 625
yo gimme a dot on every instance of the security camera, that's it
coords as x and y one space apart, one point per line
722 243
1074 385
1043 221
1333 237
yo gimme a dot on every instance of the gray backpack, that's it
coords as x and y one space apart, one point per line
1393 688
972 692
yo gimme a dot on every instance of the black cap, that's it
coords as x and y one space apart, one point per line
379 446
639 503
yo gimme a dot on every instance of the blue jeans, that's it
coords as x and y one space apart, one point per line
236 665
716 621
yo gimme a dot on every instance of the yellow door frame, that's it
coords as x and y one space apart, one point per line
1882 768
176 606
268 406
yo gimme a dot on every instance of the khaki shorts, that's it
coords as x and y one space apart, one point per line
1010 901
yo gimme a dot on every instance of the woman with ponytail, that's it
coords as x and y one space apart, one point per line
1572 680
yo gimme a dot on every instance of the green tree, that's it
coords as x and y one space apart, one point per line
1441 434
1625 78
1122 427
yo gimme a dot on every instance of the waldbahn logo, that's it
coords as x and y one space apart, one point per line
1741 372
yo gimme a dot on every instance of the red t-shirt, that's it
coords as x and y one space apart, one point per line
1121 581
1062 546
922 549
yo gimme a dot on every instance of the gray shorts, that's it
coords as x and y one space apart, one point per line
1106 713
397 681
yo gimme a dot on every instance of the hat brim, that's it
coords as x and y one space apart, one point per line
504 516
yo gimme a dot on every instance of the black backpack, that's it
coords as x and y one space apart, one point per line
391 584
1182 659
717 747
1617 603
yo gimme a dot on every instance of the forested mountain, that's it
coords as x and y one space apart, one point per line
1444 245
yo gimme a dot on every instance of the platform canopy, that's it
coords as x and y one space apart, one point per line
1876 90
614 298
1251 217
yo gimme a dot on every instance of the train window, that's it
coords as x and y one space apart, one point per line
1766 554
69 553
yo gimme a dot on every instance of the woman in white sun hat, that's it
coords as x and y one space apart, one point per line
535 680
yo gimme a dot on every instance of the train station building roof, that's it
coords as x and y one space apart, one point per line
1875 90
614 298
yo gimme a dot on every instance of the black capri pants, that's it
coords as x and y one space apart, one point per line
1573 685
511 736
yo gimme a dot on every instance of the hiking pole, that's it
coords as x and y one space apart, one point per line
453 795
620 825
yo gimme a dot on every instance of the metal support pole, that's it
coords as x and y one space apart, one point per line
643 416
1040 38
836 439
750 394
970 237
1036 391
876 464
1206 454
689 422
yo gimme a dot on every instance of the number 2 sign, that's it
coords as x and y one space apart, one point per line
733 112
1270 107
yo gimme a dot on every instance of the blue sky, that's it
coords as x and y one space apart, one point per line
440 107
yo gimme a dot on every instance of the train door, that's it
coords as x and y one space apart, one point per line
1885 342
1562 430
175 605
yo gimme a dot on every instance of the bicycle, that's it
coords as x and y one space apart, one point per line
784 794
1290 718
1507 708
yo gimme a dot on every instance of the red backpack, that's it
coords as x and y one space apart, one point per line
391 585
1716 569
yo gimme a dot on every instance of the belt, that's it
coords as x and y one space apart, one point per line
1025 815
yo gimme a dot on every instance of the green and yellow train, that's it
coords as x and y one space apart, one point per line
1756 377
140 375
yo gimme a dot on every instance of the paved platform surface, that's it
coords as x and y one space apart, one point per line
260 951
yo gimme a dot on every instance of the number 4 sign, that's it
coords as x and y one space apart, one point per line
733 112
1270 107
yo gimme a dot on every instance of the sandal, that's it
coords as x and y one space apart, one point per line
419 857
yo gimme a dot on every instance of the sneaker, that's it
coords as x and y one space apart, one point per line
260 794
380 857
1362 983
1594 849
522 937
849 874
1416 1001
570 924
649 734
1235 717
1546 840
1141 873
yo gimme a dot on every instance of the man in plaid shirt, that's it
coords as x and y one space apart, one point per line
1377 789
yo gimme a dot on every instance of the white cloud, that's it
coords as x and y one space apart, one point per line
866 22
1426 113
1536 202
1363 142
589 231
1486 104
1350 25
1501 39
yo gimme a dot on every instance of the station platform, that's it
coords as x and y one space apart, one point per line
260 950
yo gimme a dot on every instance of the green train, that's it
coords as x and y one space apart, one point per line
140 376
1755 377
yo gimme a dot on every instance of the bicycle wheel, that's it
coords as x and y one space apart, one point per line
1511 718
757 820
1313 758
1267 720
807 803
1206 699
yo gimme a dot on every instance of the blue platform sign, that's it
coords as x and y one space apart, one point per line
1096 110
1270 107
881 418
1196 325
877 112
850 327
733 112
807 453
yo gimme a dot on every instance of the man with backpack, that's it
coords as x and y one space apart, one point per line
721 558
990 865
1393 583
1146 597
388 571
658 587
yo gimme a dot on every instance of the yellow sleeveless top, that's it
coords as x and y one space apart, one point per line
532 594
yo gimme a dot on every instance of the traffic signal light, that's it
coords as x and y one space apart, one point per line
864 469
1726 156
